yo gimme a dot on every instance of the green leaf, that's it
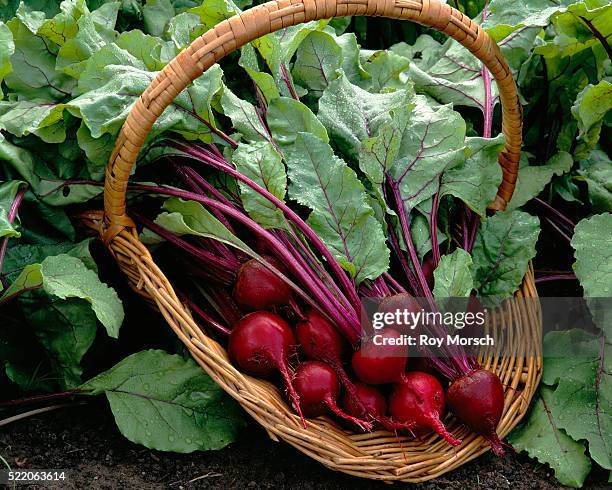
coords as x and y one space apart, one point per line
419 230
504 245
212 12
20 255
168 403
590 108
287 117
598 176
279 47
592 242
352 114
542 439
29 278
453 276
184 28
244 116
533 179
25 117
156 14
109 93
574 28
191 218
94 32
67 277
452 74
582 401
317 59
264 81
527 13
341 214
386 70
63 26
477 180
261 163
7 48
8 192
65 328
415 150
34 75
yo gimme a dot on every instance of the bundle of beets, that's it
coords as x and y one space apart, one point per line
284 306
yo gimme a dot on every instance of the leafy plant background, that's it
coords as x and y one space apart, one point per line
71 71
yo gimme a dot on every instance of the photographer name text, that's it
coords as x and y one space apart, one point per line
432 341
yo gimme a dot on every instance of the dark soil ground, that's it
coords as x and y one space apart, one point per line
85 441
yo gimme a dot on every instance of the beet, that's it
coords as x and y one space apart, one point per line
401 302
258 288
477 399
320 341
260 344
366 402
377 364
318 389
419 400
371 406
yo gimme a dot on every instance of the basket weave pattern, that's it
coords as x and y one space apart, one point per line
378 455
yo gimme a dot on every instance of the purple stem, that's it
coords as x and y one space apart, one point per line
457 358
312 237
570 276
210 321
287 81
473 231
412 281
433 226
558 229
12 214
299 249
7 299
556 212
380 284
349 325
465 233
215 150
486 78
222 264
199 185
401 212
393 283
309 270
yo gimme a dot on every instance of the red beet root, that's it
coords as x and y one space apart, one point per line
318 388
320 341
367 402
398 302
372 406
258 288
477 399
419 400
381 364
260 344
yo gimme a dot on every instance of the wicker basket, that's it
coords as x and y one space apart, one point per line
378 455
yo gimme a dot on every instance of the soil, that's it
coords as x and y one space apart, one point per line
85 441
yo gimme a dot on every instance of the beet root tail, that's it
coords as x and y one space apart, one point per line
293 396
442 431
349 386
391 425
362 424
498 447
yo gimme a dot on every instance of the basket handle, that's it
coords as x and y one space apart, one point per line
263 19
